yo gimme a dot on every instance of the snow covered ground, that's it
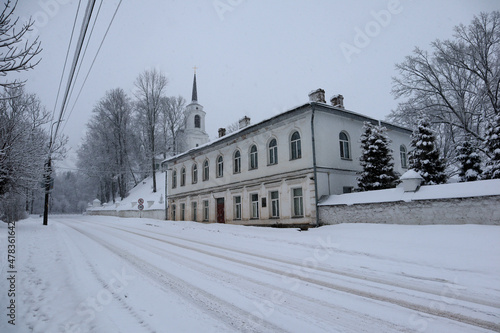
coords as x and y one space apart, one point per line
105 274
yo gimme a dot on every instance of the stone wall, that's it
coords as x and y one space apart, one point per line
472 210
157 214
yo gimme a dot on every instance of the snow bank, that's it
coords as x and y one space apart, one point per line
429 192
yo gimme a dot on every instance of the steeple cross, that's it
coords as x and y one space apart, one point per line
195 68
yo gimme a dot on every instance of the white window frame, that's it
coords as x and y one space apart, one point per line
237 207
274 206
297 202
273 152
295 146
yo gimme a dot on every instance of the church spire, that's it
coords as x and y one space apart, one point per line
194 98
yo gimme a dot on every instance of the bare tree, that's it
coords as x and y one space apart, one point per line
172 120
150 89
23 147
15 54
456 86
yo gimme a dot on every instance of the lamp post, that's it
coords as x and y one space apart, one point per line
48 173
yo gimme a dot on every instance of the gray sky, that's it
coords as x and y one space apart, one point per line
254 57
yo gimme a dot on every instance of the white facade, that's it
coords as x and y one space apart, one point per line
285 165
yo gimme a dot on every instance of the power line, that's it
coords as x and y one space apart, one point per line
66 59
85 50
83 31
93 61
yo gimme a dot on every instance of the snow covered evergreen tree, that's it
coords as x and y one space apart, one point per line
424 158
376 160
470 162
492 144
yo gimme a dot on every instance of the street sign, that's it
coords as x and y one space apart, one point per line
140 201
140 207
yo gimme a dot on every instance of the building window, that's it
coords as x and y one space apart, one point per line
254 204
237 161
275 205
254 163
237 207
197 121
183 211
173 212
194 210
205 210
183 176
347 189
273 152
206 170
298 202
195 173
220 166
174 179
295 146
403 155
345 152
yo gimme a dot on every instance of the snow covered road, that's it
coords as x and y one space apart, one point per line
104 274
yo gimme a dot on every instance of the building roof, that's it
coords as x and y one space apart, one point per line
317 106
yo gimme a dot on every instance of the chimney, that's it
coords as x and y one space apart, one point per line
317 96
337 101
244 122
222 132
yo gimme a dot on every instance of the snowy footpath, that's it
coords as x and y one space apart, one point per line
106 274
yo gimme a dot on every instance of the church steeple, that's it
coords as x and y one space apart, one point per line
193 133
194 97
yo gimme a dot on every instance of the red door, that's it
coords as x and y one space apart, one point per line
220 211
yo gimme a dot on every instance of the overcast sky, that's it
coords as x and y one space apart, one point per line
254 57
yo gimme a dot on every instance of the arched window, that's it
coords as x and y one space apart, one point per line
345 152
295 146
174 179
237 162
197 122
183 176
194 173
220 166
403 155
273 152
206 170
254 162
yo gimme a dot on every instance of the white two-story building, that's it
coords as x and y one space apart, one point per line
273 172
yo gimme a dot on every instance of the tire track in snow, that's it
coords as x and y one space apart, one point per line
131 311
228 313
305 305
362 293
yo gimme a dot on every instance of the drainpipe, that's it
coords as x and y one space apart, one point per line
166 192
314 165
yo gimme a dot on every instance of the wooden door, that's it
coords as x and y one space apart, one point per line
220 211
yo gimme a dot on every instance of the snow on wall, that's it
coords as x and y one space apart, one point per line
154 203
462 203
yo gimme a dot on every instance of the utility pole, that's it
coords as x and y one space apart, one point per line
48 180
48 173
